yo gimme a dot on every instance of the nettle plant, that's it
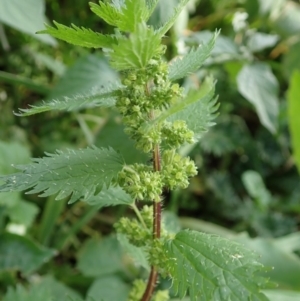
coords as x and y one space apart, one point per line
160 116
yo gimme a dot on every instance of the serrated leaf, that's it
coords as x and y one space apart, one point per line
293 113
259 86
103 97
21 254
162 30
213 268
137 50
100 257
75 35
197 109
151 4
110 13
125 17
192 61
79 173
111 196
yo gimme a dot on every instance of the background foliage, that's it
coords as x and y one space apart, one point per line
247 188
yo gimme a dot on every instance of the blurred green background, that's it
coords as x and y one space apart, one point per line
248 186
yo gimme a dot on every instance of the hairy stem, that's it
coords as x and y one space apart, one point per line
156 230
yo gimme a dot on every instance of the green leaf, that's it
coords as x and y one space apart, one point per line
287 21
259 41
137 254
275 253
256 188
75 35
162 30
23 213
100 257
87 74
48 289
151 4
109 12
111 196
213 268
19 15
19 253
192 61
137 50
259 86
293 113
108 289
197 109
126 18
282 295
79 173
103 97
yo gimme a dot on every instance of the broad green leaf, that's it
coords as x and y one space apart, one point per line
293 113
110 288
21 254
12 152
121 142
137 254
162 30
259 41
103 97
197 109
111 196
100 257
291 61
48 289
286 264
20 293
136 50
79 173
287 21
192 61
224 47
23 213
83 37
256 188
259 86
90 73
213 268
19 15
282 295
151 4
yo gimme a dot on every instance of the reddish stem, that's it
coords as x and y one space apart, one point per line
156 230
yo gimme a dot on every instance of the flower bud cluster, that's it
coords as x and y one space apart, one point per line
177 133
176 170
141 183
157 255
161 296
136 233
137 290
147 91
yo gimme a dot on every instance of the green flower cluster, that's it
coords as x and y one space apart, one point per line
147 92
141 182
144 184
137 290
157 256
176 170
136 233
